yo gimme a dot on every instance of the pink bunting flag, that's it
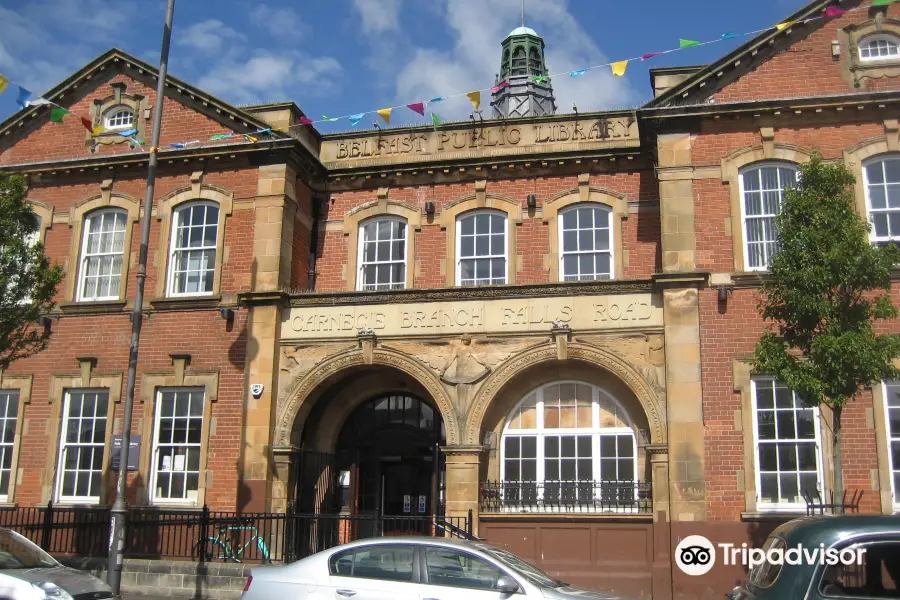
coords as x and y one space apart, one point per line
306 121
650 55
834 11
499 87
418 107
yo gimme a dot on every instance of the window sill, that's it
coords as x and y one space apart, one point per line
161 506
182 302
564 516
87 307
772 516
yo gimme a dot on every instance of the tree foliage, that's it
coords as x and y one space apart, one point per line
827 290
28 281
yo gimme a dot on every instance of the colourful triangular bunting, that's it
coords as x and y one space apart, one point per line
57 114
306 121
499 87
618 68
883 2
22 99
417 107
682 43
3 83
324 118
650 55
220 136
834 11
355 119
385 113
785 25
474 98
435 119
578 73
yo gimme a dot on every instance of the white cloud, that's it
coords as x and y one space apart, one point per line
379 16
478 27
281 22
210 36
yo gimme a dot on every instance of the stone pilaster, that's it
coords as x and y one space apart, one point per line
281 480
662 561
463 464
676 206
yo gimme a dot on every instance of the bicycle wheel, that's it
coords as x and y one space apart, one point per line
210 549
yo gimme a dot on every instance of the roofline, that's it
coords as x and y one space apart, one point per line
58 92
770 34
669 70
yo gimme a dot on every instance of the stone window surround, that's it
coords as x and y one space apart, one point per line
857 156
166 209
878 420
78 214
732 165
586 194
180 377
853 68
22 384
59 385
744 423
44 212
382 207
100 106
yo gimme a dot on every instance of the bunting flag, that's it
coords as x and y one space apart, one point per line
98 130
22 99
250 138
650 55
417 107
181 145
540 78
435 119
682 43
127 133
435 99
578 73
86 123
786 24
618 68
475 98
729 35
3 83
38 102
834 11
220 136
324 118
306 121
883 2
57 114
499 87
355 119
385 113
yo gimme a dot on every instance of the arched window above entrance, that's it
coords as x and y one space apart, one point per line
569 444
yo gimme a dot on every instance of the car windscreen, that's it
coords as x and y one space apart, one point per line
17 552
526 569
764 574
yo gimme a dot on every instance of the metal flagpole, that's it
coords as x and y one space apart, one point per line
120 507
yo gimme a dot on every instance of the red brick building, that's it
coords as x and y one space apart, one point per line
504 316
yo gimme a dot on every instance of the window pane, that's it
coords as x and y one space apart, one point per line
451 568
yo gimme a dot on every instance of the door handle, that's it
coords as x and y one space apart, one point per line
346 593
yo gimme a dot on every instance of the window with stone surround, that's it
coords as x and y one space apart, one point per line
481 248
382 254
762 188
118 117
9 413
192 258
81 447
881 177
892 420
586 247
177 438
787 447
881 47
568 444
102 253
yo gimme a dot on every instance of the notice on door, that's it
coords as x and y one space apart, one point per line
421 504
406 503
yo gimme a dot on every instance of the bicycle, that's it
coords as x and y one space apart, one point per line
221 547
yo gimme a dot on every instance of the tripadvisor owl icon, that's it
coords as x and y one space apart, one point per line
695 555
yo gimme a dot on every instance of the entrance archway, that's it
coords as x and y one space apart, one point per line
389 458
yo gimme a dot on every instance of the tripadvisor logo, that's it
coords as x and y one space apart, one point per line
695 555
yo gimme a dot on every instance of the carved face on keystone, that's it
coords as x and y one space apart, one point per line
466 339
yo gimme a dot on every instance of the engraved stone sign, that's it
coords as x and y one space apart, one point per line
581 313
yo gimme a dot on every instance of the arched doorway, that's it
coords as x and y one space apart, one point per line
389 458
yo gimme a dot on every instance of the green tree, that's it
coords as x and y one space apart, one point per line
27 279
828 288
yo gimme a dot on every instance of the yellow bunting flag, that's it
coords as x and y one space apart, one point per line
784 25
385 113
618 68
3 83
98 130
475 98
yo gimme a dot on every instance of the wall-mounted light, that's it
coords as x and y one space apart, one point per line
835 49
532 201
724 293
429 208
227 314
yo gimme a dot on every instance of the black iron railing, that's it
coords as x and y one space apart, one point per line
816 504
566 496
205 535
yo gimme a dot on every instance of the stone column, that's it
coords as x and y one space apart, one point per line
676 203
463 464
281 481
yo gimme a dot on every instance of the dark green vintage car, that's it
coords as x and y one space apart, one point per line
874 573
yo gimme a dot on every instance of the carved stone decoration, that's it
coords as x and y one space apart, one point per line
299 360
645 353
296 405
651 398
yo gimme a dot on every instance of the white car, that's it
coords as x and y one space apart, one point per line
409 568
13 588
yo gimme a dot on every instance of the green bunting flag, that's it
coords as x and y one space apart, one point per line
883 2
57 114
435 119
687 43
540 78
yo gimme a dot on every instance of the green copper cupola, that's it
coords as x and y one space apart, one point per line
528 91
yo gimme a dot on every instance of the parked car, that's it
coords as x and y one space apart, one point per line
22 559
409 568
876 576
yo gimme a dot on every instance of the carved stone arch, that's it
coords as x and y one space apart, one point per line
602 358
856 157
44 212
377 208
166 207
300 400
732 164
587 194
480 200
77 213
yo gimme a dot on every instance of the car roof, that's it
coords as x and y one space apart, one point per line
831 529
414 539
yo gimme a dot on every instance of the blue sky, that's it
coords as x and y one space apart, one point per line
339 57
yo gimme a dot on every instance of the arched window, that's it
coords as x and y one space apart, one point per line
481 248
882 181
382 254
534 61
879 47
585 234
762 194
519 64
102 248
118 117
192 259
569 443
